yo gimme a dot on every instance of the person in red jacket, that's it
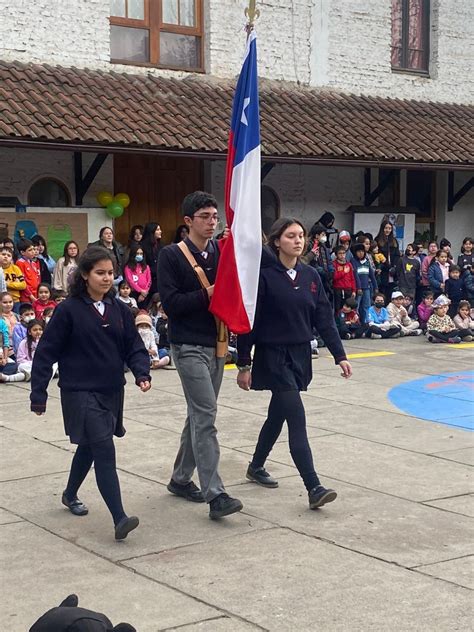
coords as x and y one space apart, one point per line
43 301
344 280
30 269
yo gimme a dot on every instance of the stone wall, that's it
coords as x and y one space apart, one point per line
352 50
340 44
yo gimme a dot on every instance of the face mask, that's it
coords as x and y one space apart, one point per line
379 304
28 319
323 239
138 258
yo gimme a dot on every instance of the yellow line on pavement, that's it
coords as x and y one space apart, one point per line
230 366
370 354
462 345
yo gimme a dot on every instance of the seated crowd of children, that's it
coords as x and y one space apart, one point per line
426 293
375 294
27 303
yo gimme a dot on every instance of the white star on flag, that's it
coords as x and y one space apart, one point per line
243 118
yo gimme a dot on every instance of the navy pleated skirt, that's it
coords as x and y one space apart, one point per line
282 367
90 417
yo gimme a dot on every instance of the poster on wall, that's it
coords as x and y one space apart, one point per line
56 228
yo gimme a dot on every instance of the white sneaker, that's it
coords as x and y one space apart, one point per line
375 336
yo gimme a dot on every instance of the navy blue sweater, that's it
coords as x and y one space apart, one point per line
288 310
91 349
365 276
186 303
454 289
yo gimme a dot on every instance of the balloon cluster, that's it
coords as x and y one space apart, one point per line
114 204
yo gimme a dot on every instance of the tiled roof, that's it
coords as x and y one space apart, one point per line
69 105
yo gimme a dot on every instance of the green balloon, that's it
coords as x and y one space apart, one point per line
114 209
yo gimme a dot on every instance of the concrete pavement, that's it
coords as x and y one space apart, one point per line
393 553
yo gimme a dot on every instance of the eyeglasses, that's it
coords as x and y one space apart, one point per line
208 217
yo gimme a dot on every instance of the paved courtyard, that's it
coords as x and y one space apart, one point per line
393 553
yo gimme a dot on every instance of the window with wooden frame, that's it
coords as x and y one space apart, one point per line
163 33
411 35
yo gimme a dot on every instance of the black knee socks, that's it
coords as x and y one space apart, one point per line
103 456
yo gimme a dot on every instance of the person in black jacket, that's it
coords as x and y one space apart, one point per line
291 301
193 335
388 246
91 335
151 244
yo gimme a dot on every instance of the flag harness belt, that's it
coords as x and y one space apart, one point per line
222 343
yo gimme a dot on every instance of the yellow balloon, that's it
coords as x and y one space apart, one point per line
123 199
104 198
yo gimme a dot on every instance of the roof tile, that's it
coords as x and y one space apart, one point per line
69 104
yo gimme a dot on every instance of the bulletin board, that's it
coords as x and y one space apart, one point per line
56 228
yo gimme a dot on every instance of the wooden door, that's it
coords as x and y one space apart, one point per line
156 186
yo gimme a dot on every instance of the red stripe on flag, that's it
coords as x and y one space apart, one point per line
228 305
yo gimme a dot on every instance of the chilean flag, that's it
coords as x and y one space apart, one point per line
235 292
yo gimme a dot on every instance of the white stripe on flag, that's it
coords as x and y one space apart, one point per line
246 227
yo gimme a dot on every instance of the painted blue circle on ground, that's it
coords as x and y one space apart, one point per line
447 398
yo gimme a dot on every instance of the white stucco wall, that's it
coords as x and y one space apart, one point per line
20 168
340 44
307 191
458 223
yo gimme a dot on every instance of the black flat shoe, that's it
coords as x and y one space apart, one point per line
320 496
75 506
224 505
260 476
123 528
189 491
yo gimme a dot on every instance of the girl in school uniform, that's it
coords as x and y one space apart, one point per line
92 335
291 301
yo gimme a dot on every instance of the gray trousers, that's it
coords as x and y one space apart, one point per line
201 376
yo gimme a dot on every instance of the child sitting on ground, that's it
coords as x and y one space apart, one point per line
164 345
348 321
441 328
7 313
58 296
25 353
145 329
398 316
7 365
27 314
464 320
378 320
425 309
124 291
409 306
43 301
47 313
